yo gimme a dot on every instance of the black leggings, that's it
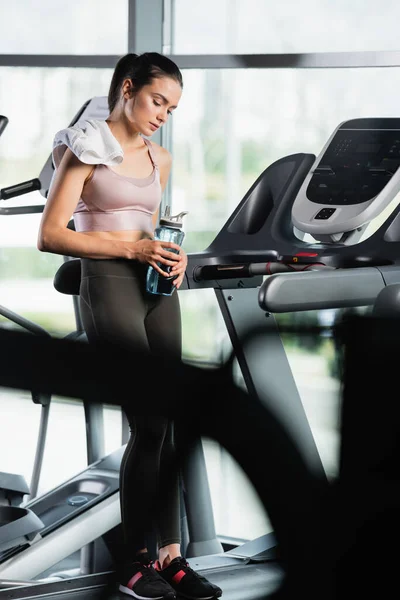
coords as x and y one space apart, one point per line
115 307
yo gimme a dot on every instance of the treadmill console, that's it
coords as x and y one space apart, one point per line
353 179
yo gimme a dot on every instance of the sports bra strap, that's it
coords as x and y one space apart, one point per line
151 152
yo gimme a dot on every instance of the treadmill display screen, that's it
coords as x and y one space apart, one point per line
355 167
370 148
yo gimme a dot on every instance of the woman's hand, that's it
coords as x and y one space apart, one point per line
179 269
154 252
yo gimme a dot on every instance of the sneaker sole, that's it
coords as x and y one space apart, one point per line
216 595
126 590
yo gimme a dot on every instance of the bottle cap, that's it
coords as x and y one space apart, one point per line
172 220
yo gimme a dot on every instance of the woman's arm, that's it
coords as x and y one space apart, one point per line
54 236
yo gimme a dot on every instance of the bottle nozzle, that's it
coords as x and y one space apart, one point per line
180 216
172 220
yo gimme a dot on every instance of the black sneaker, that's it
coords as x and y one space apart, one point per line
187 582
140 580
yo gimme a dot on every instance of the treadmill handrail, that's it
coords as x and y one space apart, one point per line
318 290
19 189
21 210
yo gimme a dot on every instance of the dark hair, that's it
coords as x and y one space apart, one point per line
141 70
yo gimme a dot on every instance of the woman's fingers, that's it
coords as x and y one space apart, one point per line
178 280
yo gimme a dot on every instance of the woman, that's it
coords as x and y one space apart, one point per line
111 179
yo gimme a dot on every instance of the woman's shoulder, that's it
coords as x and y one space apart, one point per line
164 157
91 141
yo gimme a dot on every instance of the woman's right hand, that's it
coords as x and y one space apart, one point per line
156 251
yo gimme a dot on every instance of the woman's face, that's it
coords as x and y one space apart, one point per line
149 108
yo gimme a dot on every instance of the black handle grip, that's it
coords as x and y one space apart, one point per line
20 188
209 272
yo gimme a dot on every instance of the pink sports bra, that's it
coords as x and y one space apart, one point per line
113 202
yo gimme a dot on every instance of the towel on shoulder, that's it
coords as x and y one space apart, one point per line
91 141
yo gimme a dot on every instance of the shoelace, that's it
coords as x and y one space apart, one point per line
183 562
147 571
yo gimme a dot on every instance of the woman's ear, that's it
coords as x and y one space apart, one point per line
127 89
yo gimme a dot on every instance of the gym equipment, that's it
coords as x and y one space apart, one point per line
354 178
18 525
23 522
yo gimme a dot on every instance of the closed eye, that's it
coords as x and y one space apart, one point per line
158 104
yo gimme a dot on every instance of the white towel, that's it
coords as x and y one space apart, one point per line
91 141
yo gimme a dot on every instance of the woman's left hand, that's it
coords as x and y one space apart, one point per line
179 269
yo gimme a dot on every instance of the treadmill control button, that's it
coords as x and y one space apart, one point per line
325 213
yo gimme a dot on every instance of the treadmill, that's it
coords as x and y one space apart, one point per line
261 258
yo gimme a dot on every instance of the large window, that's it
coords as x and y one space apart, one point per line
63 27
37 102
267 26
